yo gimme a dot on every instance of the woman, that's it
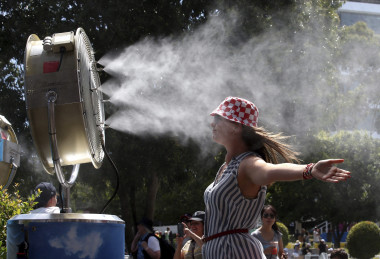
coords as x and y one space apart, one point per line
235 199
269 235
145 244
193 247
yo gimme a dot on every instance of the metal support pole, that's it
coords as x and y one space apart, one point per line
52 97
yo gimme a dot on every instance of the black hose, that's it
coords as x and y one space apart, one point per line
117 179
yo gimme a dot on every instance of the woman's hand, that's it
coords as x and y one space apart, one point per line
144 245
137 236
187 231
326 171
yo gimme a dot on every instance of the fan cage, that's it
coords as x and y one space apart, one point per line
92 97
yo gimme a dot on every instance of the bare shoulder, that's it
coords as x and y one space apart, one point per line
255 170
251 163
251 167
247 176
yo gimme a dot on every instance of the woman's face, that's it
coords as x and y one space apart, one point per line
268 217
141 229
197 227
222 130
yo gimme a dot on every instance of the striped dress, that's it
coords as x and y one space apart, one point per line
227 209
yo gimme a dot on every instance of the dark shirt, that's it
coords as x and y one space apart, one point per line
322 248
306 250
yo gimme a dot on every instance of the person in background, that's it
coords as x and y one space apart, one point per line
304 237
338 254
47 199
192 249
167 235
307 249
46 203
316 235
296 234
145 244
269 235
236 197
296 250
322 247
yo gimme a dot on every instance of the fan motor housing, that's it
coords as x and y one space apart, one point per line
64 64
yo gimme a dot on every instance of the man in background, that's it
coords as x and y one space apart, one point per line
47 200
46 203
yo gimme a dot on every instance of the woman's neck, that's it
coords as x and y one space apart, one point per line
266 228
234 152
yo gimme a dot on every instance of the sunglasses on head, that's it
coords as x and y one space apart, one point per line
268 215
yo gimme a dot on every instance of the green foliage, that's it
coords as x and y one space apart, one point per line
361 44
285 233
363 240
11 205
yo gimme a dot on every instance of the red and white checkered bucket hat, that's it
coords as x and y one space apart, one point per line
238 110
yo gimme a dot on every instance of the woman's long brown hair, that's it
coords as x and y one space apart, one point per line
269 146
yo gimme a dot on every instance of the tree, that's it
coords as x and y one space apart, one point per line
285 233
11 204
363 240
359 78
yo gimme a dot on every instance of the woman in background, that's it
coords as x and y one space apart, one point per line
269 235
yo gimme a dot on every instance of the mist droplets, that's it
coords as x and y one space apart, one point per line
171 85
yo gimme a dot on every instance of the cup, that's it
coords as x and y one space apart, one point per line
274 244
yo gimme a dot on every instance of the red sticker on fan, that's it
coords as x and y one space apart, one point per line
51 66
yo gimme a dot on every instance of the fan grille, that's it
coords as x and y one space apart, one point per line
92 97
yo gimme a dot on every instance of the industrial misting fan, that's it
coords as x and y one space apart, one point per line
66 115
64 103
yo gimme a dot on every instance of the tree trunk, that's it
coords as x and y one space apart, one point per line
153 186
338 234
128 206
128 212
